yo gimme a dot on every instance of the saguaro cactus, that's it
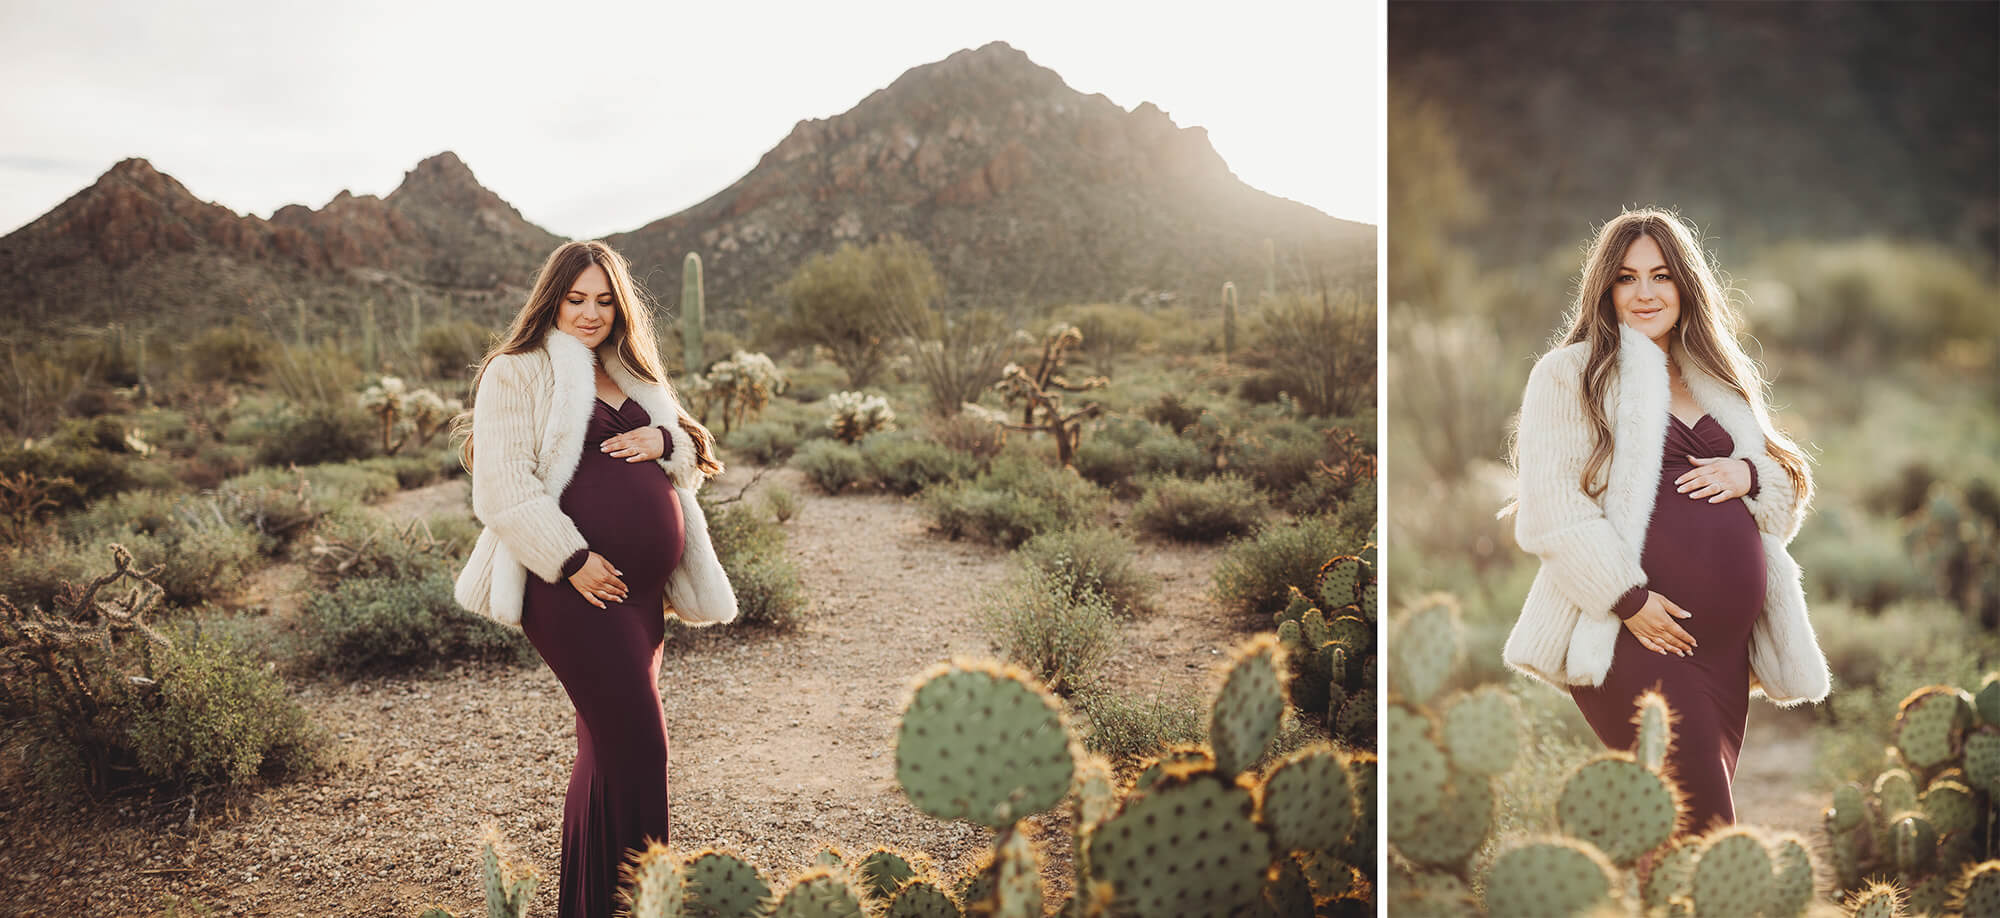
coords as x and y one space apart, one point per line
693 316
1228 321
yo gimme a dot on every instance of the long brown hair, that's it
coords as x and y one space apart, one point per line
631 336
1705 334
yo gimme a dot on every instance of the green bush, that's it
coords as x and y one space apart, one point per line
765 442
94 474
351 542
1254 573
332 482
831 465
326 433
450 349
1011 502
1054 626
204 557
388 624
904 464
1278 456
1199 511
1093 558
752 551
230 353
1126 449
1127 729
220 717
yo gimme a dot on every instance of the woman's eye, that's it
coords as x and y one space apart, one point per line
1660 277
1626 278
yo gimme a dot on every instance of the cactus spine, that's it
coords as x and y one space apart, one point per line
693 315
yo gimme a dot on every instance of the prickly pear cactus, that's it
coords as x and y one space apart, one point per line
1539 879
1425 649
1930 724
722 885
1619 805
1016 890
1330 648
1877 900
883 871
1307 801
1656 731
1246 714
654 885
509 886
983 744
1480 732
1978 890
1187 845
922 899
820 892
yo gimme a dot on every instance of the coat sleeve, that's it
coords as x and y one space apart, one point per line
1585 559
1778 507
506 495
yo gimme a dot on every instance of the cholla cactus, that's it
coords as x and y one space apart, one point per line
856 415
402 413
741 386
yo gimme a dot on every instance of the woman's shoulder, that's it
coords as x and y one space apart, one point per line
518 366
1561 365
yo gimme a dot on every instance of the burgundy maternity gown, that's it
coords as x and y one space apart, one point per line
1709 559
609 662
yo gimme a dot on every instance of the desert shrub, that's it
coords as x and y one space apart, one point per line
905 465
1278 456
100 702
1055 627
830 465
1129 728
450 350
752 551
332 482
1125 449
326 433
1092 558
781 503
764 442
1011 502
355 543
229 353
93 474
221 718
417 469
1173 412
967 433
204 551
1254 573
319 378
391 624
1198 511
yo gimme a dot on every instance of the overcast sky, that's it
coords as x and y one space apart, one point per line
610 118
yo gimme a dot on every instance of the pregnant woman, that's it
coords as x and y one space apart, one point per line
1660 499
585 477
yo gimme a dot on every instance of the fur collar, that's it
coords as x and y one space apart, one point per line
575 398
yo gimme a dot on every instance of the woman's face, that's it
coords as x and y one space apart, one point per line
1644 293
588 309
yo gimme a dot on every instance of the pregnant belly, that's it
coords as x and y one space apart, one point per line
628 513
1709 559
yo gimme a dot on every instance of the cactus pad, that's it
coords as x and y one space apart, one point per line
1733 872
1245 714
1987 702
1307 801
1914 840
883 871
1340 581
1177 754
1186 846
1356 721
1895 793
1848 812
1425 649
723 885
1655 721
1449 835
821 891
1982 760
982 744
1792 887
1671 875
922 899
1619 805
1546 878
654 883
1368 603
1417 770
1096 792
1949 806
1287 892
1879 900
1928 725
1481 732
1016 890
1979 890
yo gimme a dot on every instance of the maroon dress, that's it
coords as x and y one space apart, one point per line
609 662
1709 559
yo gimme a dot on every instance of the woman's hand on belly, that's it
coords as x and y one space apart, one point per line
1656 629
597 580
1717 478
646 444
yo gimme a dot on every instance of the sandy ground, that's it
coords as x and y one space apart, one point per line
780 743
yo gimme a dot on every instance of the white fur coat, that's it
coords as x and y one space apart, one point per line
528 423
1590 548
